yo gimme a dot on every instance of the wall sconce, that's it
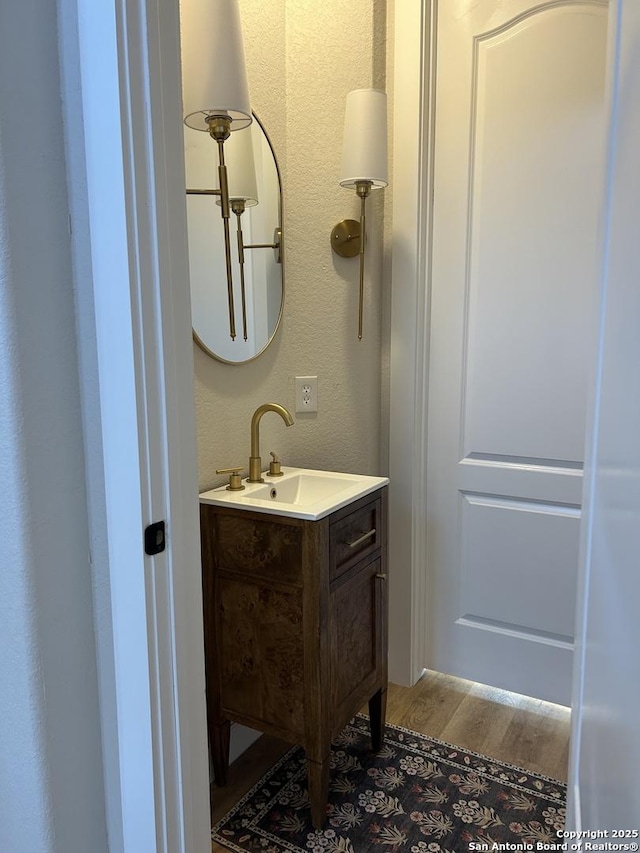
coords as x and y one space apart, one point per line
364 167
243 193
215 92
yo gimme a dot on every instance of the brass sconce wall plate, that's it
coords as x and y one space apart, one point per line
345 238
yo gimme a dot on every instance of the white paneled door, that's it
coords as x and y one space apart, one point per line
518 158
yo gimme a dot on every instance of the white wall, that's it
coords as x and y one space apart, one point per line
51 786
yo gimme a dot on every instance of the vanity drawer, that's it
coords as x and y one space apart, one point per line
257 548
355 534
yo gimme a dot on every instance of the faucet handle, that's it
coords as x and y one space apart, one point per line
235 480
274 465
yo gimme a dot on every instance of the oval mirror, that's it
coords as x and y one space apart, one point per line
256 229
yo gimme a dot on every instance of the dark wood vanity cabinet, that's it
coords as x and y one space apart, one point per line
295 616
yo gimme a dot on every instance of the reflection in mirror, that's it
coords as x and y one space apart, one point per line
258 282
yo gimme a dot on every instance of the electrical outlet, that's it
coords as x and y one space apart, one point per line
306 394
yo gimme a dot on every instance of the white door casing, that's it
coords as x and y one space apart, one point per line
518 151
413 83
123 113
605 743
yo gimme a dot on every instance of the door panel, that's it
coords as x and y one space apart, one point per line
539 542
532 220
518 152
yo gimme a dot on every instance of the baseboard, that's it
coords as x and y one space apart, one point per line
241 739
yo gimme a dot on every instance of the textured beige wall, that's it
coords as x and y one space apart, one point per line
303 57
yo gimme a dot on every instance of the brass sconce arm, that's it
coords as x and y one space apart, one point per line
348 239
363 188
238 207
276 245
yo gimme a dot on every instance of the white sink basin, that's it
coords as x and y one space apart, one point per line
299 493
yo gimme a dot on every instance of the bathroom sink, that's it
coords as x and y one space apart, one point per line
298 493
303 488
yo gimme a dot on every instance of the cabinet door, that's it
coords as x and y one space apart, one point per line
357 618
259 654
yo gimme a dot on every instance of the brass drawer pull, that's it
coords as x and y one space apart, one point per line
361 539
381 575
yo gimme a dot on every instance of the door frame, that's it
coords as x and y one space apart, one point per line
413 121
604 740
122 108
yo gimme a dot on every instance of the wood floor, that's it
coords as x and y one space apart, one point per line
526 732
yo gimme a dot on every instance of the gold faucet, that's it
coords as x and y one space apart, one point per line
255 463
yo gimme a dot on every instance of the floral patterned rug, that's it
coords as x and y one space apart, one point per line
416 795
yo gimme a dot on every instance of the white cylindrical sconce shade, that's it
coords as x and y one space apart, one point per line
241 168
214 77
364 150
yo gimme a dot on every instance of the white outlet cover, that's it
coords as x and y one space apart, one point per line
306 394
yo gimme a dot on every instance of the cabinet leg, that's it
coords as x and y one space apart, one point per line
318 781
220 735
377 715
